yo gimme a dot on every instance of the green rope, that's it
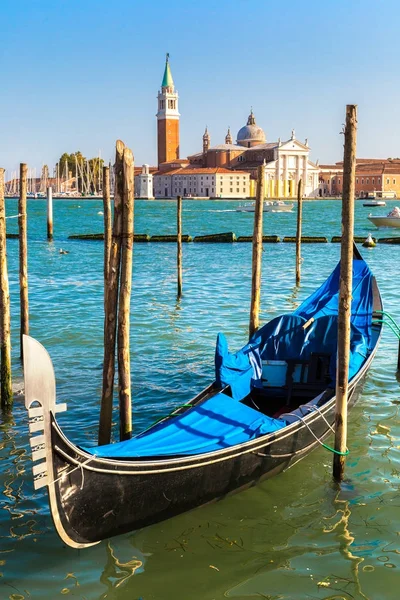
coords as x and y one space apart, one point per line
389 316
388 323
336 451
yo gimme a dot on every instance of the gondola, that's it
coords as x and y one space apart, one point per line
271 403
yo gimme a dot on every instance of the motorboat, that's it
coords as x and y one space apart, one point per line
268 206
392 219
374 203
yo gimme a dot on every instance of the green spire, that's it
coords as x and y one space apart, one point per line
167 79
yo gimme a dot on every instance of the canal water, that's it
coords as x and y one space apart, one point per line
297 536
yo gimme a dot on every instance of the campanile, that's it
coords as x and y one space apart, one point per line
167 118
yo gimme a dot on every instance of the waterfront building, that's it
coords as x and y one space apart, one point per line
330 180
286 162
144 183
208 182
167 118
373 176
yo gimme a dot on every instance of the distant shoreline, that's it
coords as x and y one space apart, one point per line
76 198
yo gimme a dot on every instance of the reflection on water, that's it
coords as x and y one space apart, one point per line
116 573
293 299
341 527
294 537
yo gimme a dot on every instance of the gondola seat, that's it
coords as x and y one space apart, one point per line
309 352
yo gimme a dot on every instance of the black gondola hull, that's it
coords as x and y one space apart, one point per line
103 498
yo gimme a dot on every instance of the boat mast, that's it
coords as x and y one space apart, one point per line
58 178
76 174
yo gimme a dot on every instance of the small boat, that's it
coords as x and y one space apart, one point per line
270 404
392 219
374 203
268 206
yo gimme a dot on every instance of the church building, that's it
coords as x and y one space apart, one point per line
227 170
286 162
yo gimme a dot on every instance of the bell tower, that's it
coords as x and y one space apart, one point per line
206 141
167 118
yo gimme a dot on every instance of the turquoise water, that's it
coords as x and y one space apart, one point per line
294 537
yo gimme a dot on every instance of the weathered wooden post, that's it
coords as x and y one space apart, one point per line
298 230
50 214
257 252
124 366
107 227
111 303
23 255
6 396
179 243
345 291
398 358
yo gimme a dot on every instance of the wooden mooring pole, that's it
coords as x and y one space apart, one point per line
50 214
345 291
111 303
298 230
23 255
6 396
124 366
107 227
257 252
179 243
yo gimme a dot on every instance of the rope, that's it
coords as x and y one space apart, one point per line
389 324
389 316
317 438
80 466
15 216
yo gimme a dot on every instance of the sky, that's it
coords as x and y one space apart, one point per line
79 74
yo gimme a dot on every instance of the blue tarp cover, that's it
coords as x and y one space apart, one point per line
217 423
222 421
284 337
325 300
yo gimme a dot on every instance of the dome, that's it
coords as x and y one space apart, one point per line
251 134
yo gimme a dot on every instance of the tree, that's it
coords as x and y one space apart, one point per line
87 171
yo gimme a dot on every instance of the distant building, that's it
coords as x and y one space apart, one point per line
286 162
144 183
167 118
330 180
202 183
373 176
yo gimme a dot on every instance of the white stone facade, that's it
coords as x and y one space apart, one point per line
202 183
144 184
291 163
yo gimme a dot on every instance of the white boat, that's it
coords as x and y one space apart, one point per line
374 203
269 206
392 219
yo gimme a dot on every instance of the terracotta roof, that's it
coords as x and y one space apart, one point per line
138 170
176 160
264 146
205 171
227 147
332 167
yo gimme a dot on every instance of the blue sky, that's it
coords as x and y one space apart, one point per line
78 74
